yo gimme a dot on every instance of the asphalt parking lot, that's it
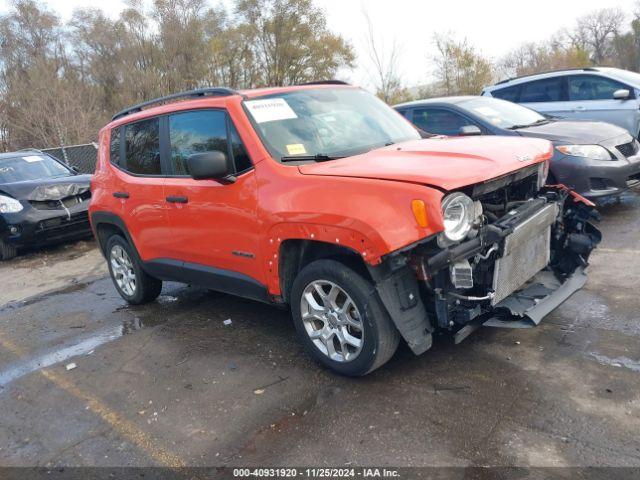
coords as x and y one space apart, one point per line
170 384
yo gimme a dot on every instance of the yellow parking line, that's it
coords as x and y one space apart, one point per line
618 250
124 427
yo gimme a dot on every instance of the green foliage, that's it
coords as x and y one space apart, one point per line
59 83
460 68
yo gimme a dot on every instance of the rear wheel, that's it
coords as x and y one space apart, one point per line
7 251
340 319
131 281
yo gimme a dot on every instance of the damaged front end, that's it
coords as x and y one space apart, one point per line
525 255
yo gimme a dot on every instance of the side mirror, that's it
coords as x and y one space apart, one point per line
208 165
469 130
75 169
622 94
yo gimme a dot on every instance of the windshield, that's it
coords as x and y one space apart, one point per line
326 123
626 76
501 113
30 167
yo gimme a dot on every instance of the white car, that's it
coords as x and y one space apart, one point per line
595 93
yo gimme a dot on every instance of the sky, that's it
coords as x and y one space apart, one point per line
494 26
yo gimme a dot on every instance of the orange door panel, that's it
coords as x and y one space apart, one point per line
218 224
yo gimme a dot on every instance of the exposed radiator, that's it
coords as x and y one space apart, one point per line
527 251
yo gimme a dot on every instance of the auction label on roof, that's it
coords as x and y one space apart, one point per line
32 158
270 110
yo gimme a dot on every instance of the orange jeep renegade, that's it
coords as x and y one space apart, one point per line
322 198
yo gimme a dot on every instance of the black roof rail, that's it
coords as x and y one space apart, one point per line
200 92
584 69
324 82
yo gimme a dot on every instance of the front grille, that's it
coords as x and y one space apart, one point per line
61 223
526 251
629 149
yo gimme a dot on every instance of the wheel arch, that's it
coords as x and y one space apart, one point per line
105 225
295 254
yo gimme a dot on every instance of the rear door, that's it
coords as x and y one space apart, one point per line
547 95
591 98
214 223
139 188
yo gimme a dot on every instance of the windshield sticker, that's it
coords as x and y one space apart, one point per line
32 158
296 149
270 110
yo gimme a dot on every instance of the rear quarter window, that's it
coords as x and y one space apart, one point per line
508 93
114 146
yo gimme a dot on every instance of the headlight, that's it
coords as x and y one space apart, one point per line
9 205
458 212
543 173
595 152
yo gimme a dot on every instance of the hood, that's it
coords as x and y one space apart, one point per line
447 163
47 188
571 131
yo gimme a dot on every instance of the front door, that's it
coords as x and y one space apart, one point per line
214 223
591 98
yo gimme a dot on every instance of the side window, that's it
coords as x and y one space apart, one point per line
547 90
114 146
509 93
142 147
440 122
591 87
195 132
240 156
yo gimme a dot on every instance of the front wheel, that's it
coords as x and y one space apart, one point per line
341 320
131 281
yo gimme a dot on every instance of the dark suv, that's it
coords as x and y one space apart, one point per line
42 201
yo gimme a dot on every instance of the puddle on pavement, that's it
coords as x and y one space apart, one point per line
78 346
617 362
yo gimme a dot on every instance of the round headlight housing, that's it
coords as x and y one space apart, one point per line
458 212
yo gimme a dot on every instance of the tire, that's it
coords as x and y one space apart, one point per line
369 323
139 287
7 251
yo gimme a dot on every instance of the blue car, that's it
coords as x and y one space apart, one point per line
596 159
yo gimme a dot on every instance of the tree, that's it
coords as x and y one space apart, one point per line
460 69
533 58
385 74
595 32
290 41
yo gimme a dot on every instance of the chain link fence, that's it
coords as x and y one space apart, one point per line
83 157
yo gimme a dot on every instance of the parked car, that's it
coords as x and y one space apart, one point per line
596 93
42 202
323 199
595 159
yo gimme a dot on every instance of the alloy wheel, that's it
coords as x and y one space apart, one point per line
122 269
332 321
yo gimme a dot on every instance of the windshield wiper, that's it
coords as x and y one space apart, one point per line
318 157
537 122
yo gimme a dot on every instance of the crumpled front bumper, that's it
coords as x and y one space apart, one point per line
556 272
530 305
32 227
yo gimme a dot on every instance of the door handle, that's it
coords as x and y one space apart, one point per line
121 194
177 199
579 109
